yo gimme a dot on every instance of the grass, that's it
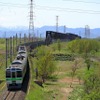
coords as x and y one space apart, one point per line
2 64
36 92
53 87
56 86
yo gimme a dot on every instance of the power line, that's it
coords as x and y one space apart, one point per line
13 5
67 9
59 8
39 7
83 1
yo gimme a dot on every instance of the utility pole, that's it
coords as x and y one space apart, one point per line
56 23
64 29
16 39
31 22
6 52
13 45
25 38
87 31
37 34
20 38
8 46
10 49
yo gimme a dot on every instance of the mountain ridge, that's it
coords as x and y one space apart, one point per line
11 31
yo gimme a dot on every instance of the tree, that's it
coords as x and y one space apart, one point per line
44 63
74 68
90 90
91 86
59 44
88 62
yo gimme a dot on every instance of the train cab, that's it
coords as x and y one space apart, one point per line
14 78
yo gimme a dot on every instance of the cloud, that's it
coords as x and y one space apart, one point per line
3 18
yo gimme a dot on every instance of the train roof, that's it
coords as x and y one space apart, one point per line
13 68
22 48
21 51
21 55
17 62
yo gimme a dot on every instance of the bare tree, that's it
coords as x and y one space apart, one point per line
73 69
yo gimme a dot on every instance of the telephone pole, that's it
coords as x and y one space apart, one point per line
56 23
64 29
87 31
31 22
6 52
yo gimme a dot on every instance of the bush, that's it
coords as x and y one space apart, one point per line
84 46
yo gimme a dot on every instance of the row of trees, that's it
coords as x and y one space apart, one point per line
84 46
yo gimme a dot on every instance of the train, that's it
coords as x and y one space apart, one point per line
52 36
15 73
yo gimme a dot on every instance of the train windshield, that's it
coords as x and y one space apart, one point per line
16 62
21 52
13 74
22 48
19 73
8 74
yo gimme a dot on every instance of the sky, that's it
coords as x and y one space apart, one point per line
71 13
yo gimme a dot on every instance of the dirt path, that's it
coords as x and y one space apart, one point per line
66 90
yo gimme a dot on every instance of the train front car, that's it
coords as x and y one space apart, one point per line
14 76
16 72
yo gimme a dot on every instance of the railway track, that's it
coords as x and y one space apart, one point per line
9 95
13 95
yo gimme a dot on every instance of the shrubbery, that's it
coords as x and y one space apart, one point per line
84 46
90 90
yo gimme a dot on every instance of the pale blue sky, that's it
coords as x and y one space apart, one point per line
72 13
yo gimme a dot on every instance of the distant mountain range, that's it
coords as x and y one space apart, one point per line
11 31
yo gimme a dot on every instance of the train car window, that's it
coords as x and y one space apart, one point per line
19 73
8 74
13 75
